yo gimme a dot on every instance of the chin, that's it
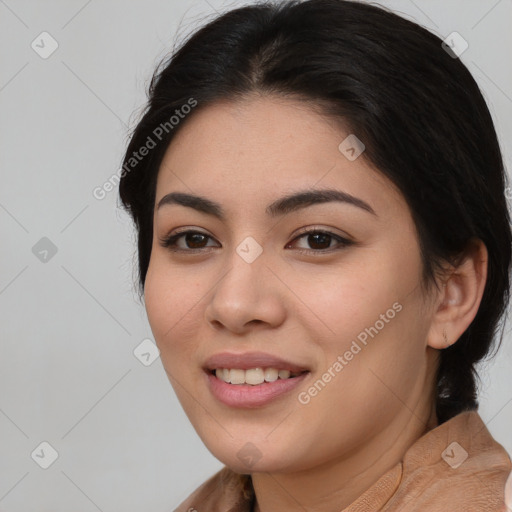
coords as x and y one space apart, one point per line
251 459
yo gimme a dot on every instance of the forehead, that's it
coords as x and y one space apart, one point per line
256 150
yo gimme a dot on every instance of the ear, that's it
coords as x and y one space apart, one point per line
460 297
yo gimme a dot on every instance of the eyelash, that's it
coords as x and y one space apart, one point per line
170 242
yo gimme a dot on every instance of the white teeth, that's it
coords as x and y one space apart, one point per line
254 376
271 374
237 376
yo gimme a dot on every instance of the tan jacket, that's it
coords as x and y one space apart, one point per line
455 467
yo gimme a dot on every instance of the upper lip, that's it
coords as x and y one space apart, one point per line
248 360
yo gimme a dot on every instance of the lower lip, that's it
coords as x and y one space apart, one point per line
246 395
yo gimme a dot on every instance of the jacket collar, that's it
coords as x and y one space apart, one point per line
457 460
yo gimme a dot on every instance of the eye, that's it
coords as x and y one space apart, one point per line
320 241
194 240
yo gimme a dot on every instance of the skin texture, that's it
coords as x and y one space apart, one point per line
307 308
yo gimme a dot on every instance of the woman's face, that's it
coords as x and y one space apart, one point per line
351 315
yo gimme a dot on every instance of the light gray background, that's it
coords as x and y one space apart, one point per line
69 326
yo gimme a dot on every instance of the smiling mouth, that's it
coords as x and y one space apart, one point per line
254 376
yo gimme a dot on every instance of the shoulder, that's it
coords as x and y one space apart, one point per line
457 466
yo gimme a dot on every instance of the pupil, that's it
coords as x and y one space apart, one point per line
196 238
323 236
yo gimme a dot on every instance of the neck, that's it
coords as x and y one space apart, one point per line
338 483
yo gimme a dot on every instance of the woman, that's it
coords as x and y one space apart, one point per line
324 251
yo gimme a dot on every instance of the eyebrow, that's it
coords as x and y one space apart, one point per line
281 206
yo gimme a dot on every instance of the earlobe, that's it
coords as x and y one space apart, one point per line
445 337
460 297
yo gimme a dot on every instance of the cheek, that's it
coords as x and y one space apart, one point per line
351 296
170 298
370 312
155 299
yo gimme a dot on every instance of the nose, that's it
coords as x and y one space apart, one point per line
247 294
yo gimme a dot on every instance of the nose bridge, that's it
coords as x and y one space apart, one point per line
247 290
246 271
